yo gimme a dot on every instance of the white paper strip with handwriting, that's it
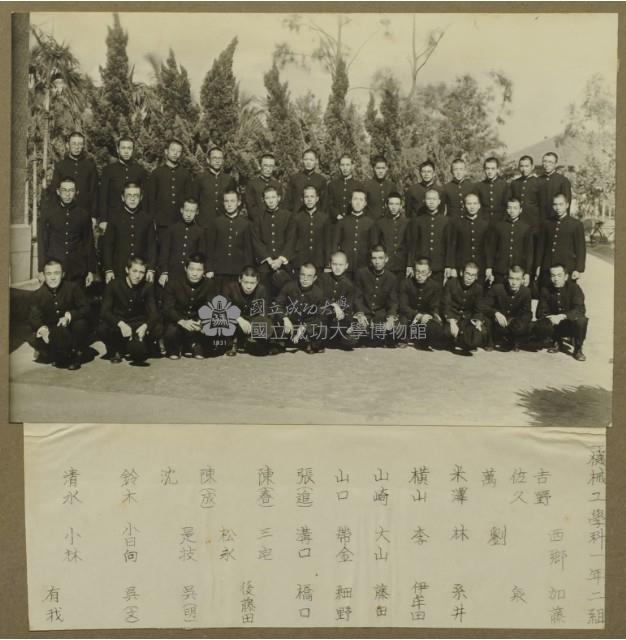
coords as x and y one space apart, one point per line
196 526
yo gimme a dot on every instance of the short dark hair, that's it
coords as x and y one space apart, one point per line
339 253
231 190
125 139
560 265
359 189
516 268
190 201
472 193
131 184
394 194
52 260
269 188
427 163
491 159
307 265
271 156
375 248
432 191
76 134
310 186
423 260
513 199
249 271
197 257
310 150
553 154
527 157
560 195
135 259
379 158
67 179
471 265
172 141
212 149
457 161
345 155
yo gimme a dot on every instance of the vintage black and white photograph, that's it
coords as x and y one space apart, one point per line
313 218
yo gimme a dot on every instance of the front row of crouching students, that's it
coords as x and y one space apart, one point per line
198 316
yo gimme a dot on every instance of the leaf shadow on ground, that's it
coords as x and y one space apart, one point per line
581 406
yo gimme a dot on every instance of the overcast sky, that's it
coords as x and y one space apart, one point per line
549 57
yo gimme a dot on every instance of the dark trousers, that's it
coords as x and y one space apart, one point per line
136 349
261 334
314 332
576 329
337 330
274 281
375 336
176 339
64 341
516 329
469 337
429 333
222 280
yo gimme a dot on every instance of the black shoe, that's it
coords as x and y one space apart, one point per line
232 351
273 350
488 347
555 347
74 365
115 358
579 355
197 352
139 363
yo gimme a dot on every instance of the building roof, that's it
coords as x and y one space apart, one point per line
571 153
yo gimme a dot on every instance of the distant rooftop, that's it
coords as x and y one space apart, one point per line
570 153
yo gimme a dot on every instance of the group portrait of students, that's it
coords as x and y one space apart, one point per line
309 265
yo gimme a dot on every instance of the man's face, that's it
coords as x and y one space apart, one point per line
195 272
558 277
267 167
271 199
76 144
136 273
560 205
491 169
548 163
380 170
125 150
394 205
515 280
174 152
67 192
131 197
358 201
338 264
513 210
216 160
469 276
307 277
231 202
422 273
310 198
525 167
458 170
308 161
427 173
189 211
345 166
248 284
379 260
472 205
432 201
53 274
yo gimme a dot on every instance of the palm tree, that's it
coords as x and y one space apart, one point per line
54 70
